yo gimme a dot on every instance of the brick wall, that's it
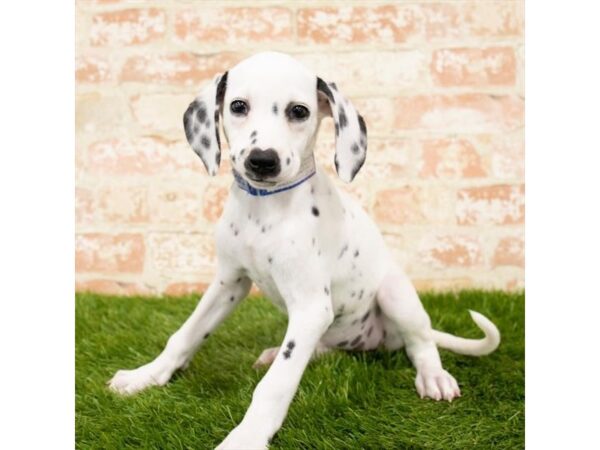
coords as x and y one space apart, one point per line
439 83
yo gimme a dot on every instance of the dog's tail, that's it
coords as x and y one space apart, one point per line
472 347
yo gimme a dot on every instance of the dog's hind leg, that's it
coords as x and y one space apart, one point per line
407 322
268 355
219 300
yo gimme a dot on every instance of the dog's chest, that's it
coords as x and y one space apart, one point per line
318 237
260 244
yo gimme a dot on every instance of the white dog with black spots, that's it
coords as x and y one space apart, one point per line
310 248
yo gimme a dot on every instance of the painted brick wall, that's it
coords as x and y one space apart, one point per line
440 84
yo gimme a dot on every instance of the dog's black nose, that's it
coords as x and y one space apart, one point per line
264 163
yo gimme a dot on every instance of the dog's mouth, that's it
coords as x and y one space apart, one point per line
264 181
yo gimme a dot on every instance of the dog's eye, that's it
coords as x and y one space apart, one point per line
298 112
239 108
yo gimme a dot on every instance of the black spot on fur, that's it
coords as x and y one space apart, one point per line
337 129
315 211
344 249
352 294
242 151
365 317
253 141
336 163
218 158
233 158
326 290
288 160
357 167
196 129
238 280
288 351
343 343
355 149
217 136
194 105
275 109
270 259
355 340
342 118
221 88
232 298
263 229
206 335
253 134
362 125
356 253
322 87
187 121
360 294
189 133
377 311
201 113
333 86
370 331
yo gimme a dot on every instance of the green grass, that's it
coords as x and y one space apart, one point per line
345 400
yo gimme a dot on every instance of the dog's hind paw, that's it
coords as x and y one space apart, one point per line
266 358
437 384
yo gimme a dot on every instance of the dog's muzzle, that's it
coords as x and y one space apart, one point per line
262 163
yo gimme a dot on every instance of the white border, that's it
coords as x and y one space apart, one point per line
563 225
36 238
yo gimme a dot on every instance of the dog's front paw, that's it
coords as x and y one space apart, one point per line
127 382
437 384
244 438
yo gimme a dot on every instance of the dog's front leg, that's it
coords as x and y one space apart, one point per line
221 297
308 321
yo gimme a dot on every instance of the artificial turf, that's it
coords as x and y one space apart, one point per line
345 400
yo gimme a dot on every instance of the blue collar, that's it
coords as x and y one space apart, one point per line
245 186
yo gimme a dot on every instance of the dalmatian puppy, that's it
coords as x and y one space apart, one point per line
310 248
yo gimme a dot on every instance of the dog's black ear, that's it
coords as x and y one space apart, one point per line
201 123
350 130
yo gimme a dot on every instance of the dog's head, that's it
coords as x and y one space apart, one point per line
271 107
